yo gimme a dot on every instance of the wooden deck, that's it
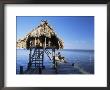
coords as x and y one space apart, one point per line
65 68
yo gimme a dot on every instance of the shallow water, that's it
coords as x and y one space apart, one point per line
84 58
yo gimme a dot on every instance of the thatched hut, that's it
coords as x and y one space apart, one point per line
40 37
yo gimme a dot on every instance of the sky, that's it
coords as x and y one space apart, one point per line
77 32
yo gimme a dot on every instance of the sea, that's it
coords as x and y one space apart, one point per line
83 58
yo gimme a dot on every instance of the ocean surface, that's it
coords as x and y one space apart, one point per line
84 59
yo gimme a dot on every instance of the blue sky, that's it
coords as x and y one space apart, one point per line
76 31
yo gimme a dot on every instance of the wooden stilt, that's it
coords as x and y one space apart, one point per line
54 58
21 69
43 60
29 63
35 41
54 61
40 70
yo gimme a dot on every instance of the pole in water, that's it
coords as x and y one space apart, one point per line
29 63
54 58
21 69
56 71
73 64
40 70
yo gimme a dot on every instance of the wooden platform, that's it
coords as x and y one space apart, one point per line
65 68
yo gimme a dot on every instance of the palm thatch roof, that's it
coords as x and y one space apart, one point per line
40 37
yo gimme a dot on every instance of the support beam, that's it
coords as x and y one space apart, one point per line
45 43
21 69
35 41
54 57
29 63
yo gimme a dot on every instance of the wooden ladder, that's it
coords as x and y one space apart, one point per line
37 58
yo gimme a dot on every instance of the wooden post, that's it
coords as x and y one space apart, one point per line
54 58
35 41
29 63
45 43
38 41
40 70
30 56
49 43
54 61
43 59
56 71
21 69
